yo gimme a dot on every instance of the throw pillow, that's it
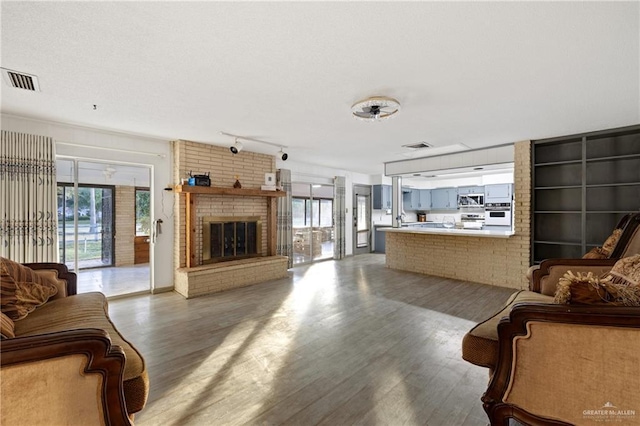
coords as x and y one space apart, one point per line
625 271
581 289
619 287
611 242
22 289
595 253
6 327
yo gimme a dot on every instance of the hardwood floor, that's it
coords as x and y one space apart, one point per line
336 343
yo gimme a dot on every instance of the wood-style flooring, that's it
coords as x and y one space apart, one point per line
337 343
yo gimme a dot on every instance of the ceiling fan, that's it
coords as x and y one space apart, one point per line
375 108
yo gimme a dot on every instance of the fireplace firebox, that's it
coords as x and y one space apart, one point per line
230 238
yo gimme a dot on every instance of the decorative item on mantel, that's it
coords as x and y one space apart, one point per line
237 184
269 182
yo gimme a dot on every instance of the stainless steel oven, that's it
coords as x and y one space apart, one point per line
497 214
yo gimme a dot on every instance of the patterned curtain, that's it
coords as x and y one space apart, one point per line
284 243
28 210
339 217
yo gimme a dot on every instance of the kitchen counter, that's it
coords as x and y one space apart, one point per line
489 232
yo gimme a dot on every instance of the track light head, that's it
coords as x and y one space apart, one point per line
236 147
283 155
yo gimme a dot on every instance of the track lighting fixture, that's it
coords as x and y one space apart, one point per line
236 147
283 155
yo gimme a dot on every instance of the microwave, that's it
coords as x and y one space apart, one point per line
470 201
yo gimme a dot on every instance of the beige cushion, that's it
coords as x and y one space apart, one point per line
480 345
22 290
89 310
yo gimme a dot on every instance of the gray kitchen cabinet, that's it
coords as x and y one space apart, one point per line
500 193
411 199
379 240
416 199
444 199
424 202
471 190
381 197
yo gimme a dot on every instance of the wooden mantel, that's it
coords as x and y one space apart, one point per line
192 191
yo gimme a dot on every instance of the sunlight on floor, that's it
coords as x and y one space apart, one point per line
115 281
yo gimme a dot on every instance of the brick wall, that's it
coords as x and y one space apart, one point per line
496 261
227 275
125 225
223 166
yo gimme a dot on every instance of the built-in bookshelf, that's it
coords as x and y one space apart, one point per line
582 186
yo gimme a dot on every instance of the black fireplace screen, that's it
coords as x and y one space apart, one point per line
230 239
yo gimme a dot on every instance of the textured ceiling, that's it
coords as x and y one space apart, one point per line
478 74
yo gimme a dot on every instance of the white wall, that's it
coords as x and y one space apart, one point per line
100 145
309 173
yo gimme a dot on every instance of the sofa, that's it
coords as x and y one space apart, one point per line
566 351
62 360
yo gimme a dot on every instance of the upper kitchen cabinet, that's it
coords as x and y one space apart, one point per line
582 186
409 201
444 198
500 193
381 197
416 199
471 190
425 199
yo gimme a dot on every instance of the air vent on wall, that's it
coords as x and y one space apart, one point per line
20 80
418 145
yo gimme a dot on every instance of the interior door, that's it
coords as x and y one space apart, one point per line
361 219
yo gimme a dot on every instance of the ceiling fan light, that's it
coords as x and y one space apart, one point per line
375 108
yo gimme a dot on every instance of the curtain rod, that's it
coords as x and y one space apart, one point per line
155 154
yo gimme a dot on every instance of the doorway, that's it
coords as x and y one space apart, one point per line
313 227
361 219
103 208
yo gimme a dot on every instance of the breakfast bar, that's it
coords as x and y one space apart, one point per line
491 232
488 255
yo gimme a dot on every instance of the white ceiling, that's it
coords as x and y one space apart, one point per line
472 73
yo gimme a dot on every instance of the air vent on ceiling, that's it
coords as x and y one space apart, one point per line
20 80
418 145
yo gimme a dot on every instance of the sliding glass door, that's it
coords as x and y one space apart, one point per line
94 225
313 228
105 225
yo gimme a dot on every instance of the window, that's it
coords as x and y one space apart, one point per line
143 217
322 212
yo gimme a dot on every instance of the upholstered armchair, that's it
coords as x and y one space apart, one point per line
567 351
566 365
545 276
623 242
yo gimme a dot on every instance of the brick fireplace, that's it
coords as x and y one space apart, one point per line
196 272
